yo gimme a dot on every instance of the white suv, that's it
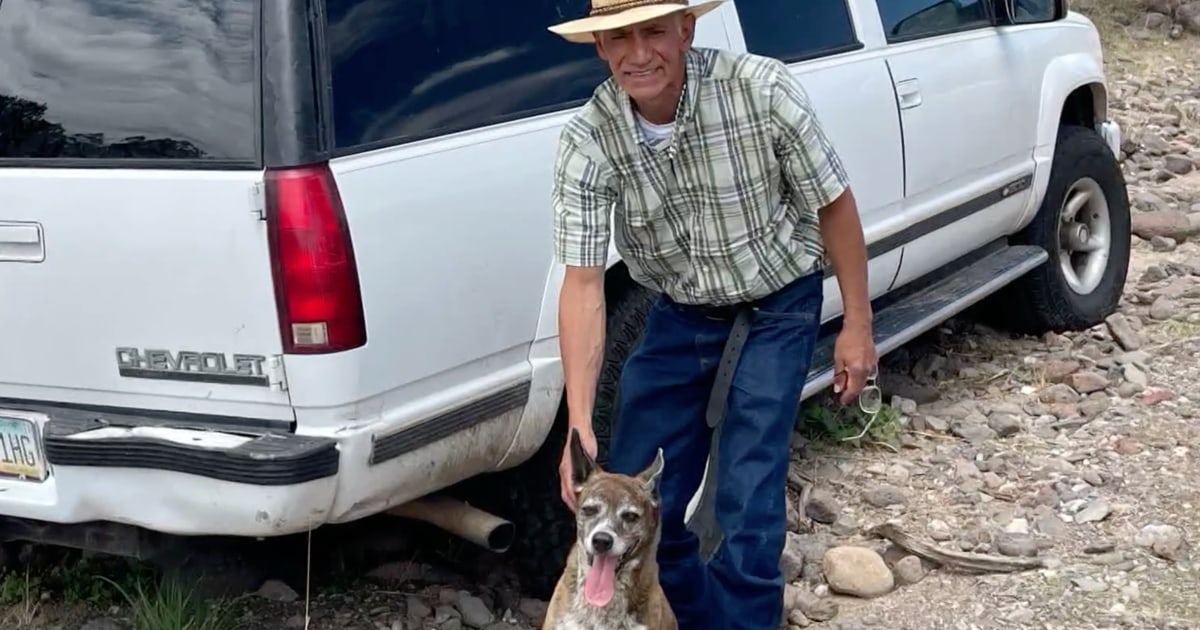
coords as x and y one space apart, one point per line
270 265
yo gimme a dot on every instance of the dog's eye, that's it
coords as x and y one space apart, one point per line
630 517
589 510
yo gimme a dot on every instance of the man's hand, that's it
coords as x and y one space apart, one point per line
588 439
854 359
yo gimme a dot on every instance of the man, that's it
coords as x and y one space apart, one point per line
726 197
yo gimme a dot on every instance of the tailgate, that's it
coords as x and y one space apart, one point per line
138 288
134 263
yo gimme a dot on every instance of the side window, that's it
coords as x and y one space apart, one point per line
913 19
407 69
794 30
138 80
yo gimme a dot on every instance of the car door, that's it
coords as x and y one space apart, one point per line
852 95
968 167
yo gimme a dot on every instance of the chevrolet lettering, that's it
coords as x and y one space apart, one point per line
187 365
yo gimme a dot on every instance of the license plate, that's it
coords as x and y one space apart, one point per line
21 450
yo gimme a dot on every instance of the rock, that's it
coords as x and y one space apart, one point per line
857 571
1057 370
908 570
1164 308
1188 16
845 525
1168 223
1087 381
533 609
815 607
1094 511
937 423
475 613
1103 546
822 506
1016 545
1164 541
1005 424
791 561
884 495
940 531
277 591
1123 332
972 431
1057 394
417 609
1178 164
1133 375
1089 585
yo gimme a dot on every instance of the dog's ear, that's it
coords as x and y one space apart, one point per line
653 474
582 464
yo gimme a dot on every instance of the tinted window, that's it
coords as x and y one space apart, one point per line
911 19
404 69
796 29
148 79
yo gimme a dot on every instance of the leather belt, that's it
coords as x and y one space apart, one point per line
704 522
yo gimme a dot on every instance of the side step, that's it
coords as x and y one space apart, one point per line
920 310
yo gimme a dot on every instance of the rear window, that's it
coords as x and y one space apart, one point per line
408 69
148 80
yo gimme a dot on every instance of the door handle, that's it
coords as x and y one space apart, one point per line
21 242
908 93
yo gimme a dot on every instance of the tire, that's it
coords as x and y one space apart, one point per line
1049 298
545 528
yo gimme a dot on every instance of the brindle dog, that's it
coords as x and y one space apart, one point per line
611 578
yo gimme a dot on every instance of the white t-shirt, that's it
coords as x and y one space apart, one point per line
657 135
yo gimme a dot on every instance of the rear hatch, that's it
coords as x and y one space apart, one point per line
135 255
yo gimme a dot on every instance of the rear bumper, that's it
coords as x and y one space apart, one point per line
176 478
184 476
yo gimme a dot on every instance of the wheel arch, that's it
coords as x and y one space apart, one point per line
1073 92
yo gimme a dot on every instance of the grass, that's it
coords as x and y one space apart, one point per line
147 601
168 604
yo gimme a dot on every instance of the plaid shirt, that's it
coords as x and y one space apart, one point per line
726 211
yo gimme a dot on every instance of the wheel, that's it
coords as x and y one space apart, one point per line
1083 224
545 528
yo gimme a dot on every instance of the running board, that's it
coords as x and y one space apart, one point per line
912 315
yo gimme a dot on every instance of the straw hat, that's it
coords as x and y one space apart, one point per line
612 14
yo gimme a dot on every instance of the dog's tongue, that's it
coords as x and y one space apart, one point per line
598 585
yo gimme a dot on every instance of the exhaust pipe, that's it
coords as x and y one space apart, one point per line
461 519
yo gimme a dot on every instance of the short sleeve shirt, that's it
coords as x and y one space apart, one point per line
723 212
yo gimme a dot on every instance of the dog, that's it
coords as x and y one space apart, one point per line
610 581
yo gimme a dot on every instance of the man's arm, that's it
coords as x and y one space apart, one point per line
582 202
581 342
816 176
842 234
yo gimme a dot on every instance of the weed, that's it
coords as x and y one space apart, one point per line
20 596
844 423
168 605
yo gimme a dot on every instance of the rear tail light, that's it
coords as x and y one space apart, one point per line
312 259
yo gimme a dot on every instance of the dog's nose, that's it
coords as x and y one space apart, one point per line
602 542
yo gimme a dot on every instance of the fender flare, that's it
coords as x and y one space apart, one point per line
1063 77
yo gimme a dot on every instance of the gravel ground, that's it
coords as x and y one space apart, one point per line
1078 449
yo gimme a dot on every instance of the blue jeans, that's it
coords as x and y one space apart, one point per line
664 390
